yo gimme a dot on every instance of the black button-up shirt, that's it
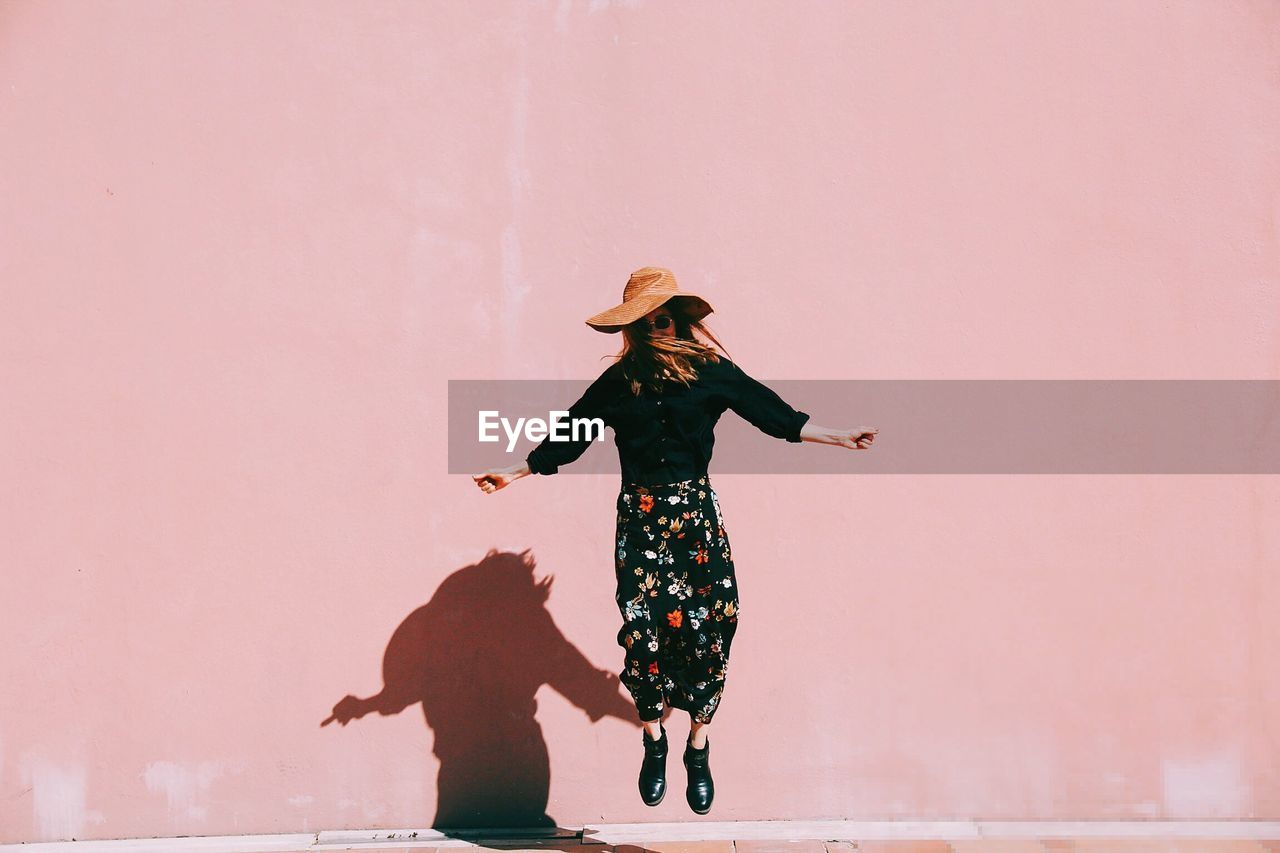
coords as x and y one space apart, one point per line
667 437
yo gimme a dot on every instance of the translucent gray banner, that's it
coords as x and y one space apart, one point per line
1069 426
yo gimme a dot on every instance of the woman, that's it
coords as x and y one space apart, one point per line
676 591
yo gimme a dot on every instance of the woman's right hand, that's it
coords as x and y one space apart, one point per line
499 478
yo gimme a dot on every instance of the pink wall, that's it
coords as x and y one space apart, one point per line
244 245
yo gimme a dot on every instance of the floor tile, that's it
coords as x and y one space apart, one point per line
903 846
769 846
689 847
539 845
1155 845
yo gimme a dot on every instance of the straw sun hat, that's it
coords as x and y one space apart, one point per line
648 288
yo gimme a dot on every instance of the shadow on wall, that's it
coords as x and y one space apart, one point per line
474 656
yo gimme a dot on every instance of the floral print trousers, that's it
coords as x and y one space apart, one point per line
677 595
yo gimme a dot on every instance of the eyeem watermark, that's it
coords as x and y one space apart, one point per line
927 426
536 429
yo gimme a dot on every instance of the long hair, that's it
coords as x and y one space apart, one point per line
649 361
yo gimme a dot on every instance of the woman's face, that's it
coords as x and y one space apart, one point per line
652 318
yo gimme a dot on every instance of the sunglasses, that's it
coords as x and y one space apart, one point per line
660 322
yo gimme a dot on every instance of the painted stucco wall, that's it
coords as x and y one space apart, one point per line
243 247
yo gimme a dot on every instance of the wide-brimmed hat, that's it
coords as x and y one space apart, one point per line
648 288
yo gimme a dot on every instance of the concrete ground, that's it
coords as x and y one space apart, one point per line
756 837
941 845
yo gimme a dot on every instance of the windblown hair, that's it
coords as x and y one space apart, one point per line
649 360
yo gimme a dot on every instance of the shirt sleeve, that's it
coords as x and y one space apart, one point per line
550 454
759 405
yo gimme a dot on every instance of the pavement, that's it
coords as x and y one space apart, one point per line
940 845
1242 836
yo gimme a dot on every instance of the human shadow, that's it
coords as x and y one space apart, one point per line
474 656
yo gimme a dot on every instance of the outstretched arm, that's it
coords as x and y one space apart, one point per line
551 453
497 478
858 438
762 407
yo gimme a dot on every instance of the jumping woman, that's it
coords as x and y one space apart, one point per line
676 589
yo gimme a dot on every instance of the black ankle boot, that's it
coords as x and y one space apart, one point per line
653 770
701 789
